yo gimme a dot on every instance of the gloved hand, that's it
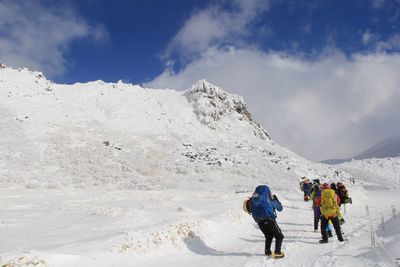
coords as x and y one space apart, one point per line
274 197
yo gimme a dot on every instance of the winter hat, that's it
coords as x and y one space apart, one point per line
316 181
326 186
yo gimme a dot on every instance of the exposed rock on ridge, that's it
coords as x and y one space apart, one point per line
211 104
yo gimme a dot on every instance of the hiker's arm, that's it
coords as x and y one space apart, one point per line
278 205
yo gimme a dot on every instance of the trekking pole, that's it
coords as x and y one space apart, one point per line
394 211
372 236
366 210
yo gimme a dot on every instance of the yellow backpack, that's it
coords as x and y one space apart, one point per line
329 206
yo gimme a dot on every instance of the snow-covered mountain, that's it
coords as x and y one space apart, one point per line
113 174
389 147
126 136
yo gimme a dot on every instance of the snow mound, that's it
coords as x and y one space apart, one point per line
23 261
175 236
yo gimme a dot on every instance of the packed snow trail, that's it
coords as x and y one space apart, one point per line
139 228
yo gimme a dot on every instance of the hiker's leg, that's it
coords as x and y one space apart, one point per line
316 220
268 242
278 236
336 225
324 224
264 227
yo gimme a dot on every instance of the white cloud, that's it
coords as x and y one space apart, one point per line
367 37
329 107
378 3
381 3
215 25
381 45
393 43
37 36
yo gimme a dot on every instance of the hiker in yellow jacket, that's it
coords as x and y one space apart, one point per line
329 204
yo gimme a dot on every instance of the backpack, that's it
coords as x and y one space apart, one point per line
314 196
343 195
329 205
261 205
307 187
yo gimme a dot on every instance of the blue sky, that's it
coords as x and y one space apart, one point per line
329 66
138 32
141 30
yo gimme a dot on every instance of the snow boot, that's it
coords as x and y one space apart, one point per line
278 255
323 241
268 253
330 234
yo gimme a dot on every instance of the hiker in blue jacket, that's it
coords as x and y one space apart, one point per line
307 186
263 206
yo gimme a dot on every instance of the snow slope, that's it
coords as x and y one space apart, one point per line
101 174
384 172
126 136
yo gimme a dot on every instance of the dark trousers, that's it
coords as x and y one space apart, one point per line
270 229
317 216
336 225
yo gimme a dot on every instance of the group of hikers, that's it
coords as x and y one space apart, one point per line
326 202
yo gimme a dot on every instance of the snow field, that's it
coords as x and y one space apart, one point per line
140 228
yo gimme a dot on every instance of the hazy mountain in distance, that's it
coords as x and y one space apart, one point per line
389 147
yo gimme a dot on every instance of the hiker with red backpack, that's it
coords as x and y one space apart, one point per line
306 186
262 206
343 195
329 205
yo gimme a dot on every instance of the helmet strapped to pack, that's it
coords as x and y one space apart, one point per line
246 205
